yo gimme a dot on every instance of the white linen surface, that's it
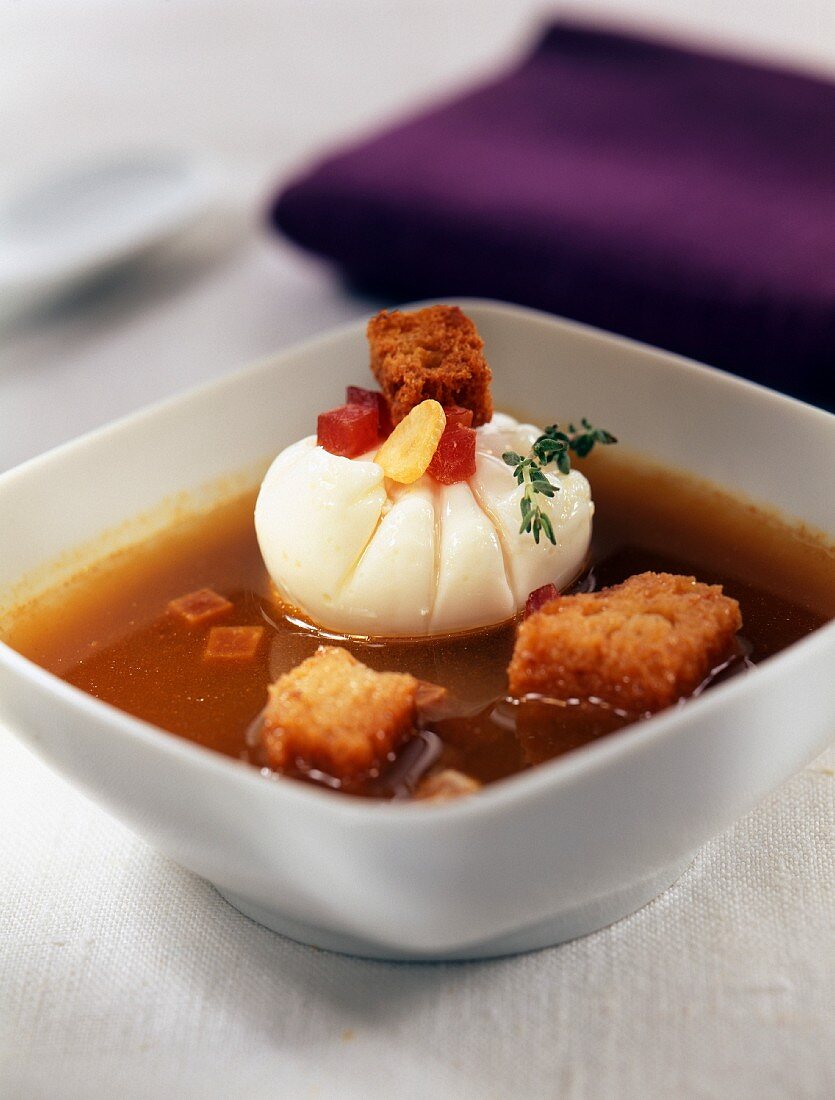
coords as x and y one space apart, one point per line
122 975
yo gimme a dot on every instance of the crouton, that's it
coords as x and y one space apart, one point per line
198 608
233 643
334 715
638 646
431 353
445 785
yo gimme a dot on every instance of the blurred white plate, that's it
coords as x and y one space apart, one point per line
74 226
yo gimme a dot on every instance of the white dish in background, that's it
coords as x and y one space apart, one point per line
78 224
541 857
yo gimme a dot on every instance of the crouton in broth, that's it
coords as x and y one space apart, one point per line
185 632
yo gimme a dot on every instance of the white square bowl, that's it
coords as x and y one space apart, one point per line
541 857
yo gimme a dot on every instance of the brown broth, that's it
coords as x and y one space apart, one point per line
107 631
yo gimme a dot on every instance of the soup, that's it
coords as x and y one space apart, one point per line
109 633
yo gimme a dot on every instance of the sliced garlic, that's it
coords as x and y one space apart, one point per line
406 454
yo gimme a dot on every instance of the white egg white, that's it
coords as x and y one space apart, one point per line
358 554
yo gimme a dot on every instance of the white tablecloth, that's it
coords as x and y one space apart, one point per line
122 975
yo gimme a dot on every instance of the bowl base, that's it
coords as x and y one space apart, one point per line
569 925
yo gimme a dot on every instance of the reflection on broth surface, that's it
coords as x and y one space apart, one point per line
108 631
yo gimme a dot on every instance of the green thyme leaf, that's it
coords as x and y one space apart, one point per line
547 528
553 446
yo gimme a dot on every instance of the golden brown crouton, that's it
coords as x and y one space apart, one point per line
638 646
431 353
200 607
334 715
233 643
445 785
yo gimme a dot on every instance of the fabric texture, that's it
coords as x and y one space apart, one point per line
121 975
683 199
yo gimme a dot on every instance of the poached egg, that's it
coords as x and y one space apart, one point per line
359 554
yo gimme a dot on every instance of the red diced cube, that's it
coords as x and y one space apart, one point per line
454 457
356 395
539 597
458 417
349 430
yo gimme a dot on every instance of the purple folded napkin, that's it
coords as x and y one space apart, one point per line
683 199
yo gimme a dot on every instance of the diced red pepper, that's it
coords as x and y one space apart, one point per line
356 395
458 417
454 457
539 597
349 430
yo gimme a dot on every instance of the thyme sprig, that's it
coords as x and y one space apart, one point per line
552 447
